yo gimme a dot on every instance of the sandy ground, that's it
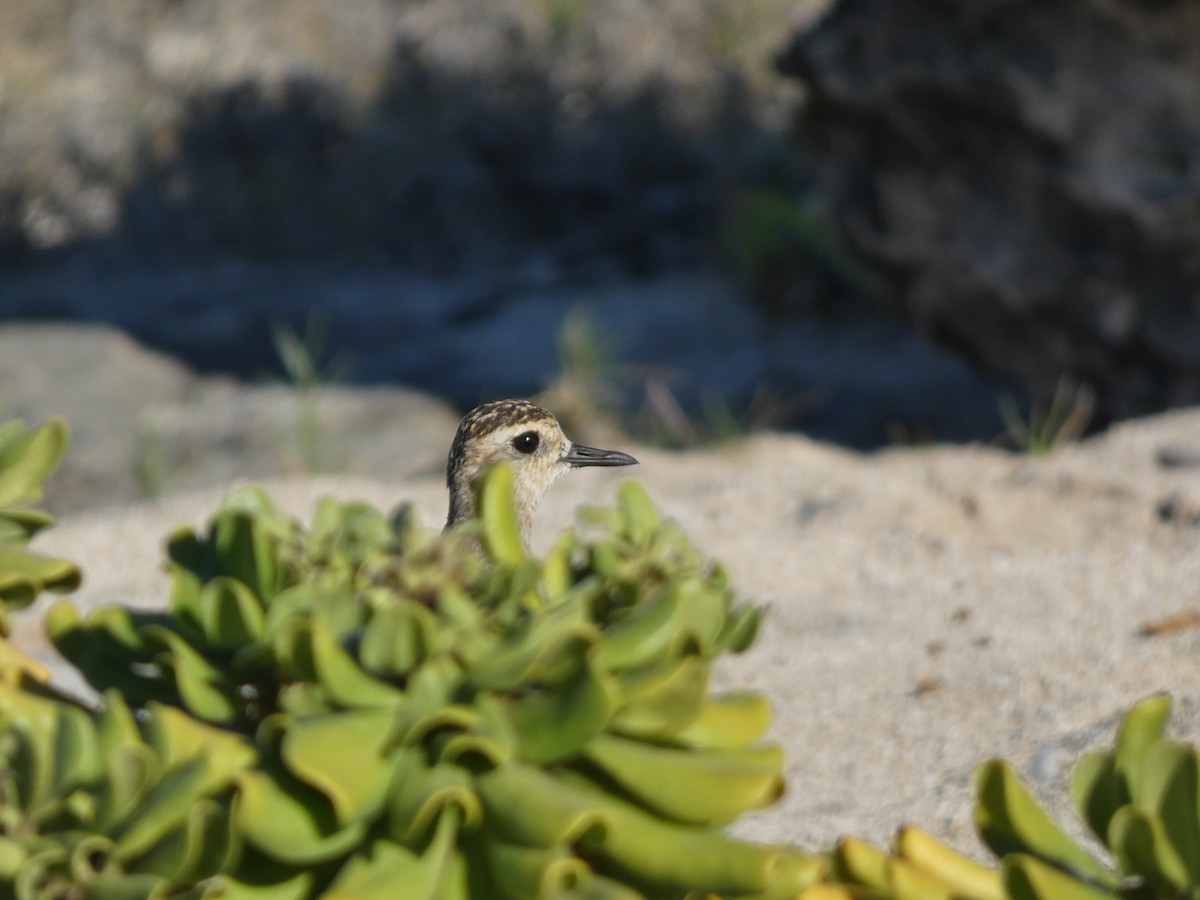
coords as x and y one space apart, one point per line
930 608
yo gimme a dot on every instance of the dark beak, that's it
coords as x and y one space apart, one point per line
579 456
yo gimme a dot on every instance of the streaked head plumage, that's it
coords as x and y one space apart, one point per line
529 438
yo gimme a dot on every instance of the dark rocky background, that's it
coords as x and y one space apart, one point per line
689 218
1023 178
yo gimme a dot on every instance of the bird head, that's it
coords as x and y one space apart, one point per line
528 438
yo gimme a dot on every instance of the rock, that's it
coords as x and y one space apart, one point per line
228 432
1023 180
104 383
144 424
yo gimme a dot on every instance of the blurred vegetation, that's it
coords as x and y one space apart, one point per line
1048 426
598 397
308 367
773 235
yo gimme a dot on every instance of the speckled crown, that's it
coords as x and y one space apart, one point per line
488 418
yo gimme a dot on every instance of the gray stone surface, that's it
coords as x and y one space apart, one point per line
144 425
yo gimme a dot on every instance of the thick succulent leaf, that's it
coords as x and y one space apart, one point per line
115 724
121 886
340 610
519 872
90 858
639 516
434 725
421 793
24 574
289 821
501 534
130 772
741 629
35 723
959 875
342 532
557 576
295 599
534 808
111 652
697 786
460 611
341 676
203 687
16 667
1143 726
378 871
63 622
346 756
398 638
558 722
298 887
230 614
908 880
430 704
859 863
706 611
671 548
1142 848
646 635
244 549
731 720
12 856
178 739
204 846
19 523
822 891
165 806
1098 790
548 652
76 758
187 552
1010 821
28 457
1170 788
1029 878
593 887
488 739
609 562
253 500
660 701
185 600
291 646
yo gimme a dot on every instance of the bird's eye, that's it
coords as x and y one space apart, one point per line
526 442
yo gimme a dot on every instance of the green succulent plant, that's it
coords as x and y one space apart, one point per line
27 457
447 713
1141 801
112 805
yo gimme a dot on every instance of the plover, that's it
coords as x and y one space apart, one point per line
531 440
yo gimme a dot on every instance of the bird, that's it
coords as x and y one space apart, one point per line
529 438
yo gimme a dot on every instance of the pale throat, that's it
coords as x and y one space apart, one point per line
527 494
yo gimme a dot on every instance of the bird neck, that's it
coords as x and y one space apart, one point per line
463 507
